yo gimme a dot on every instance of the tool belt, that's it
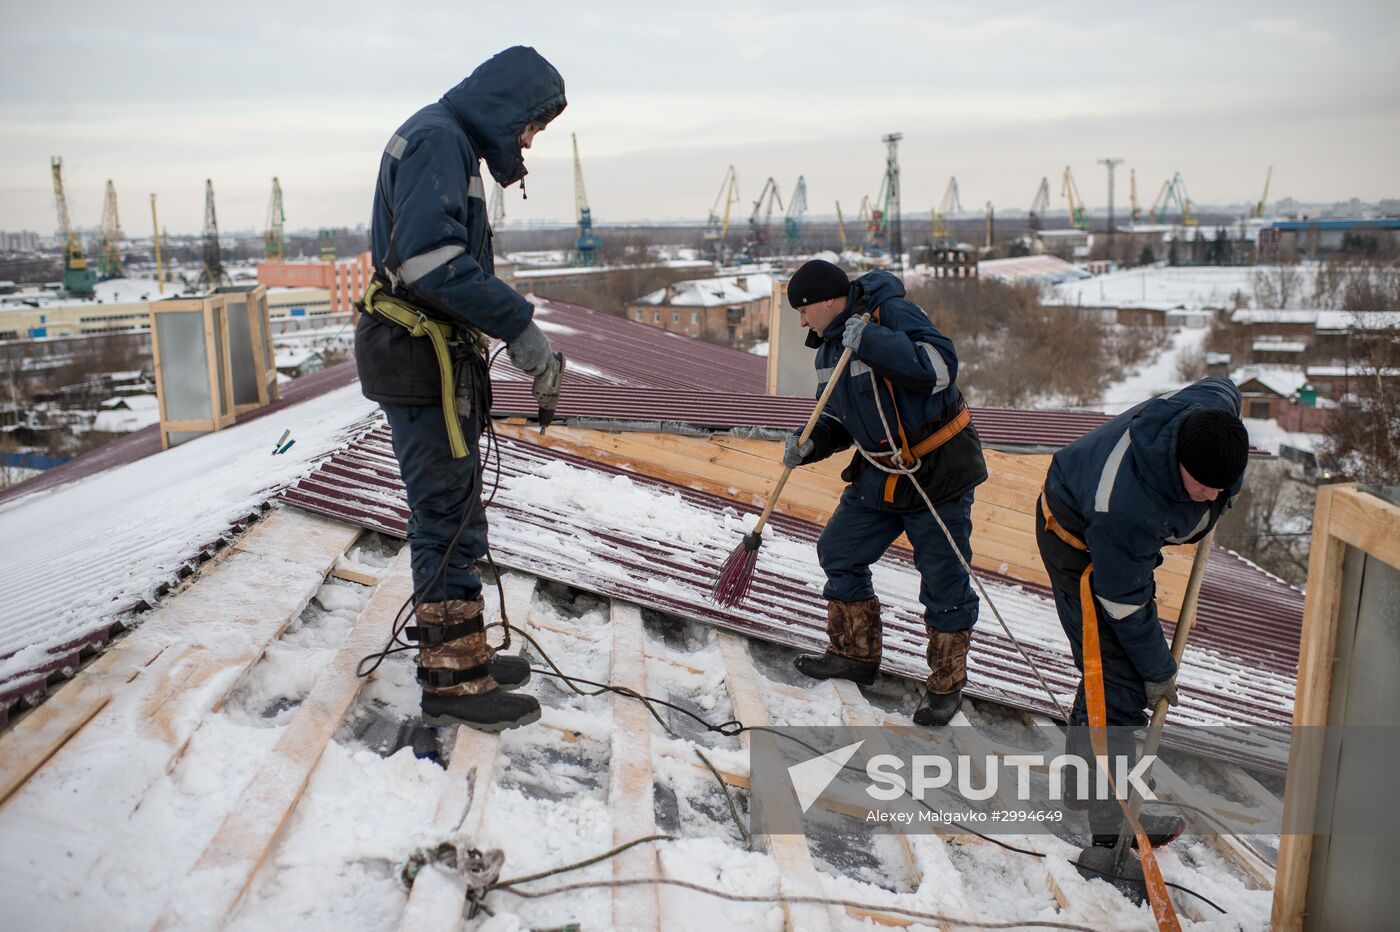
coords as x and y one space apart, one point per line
378 302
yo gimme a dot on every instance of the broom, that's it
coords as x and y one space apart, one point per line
736 573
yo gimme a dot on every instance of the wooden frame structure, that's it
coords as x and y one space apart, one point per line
213 360
1347 521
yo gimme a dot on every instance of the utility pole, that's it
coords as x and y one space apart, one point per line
1110 164
892 208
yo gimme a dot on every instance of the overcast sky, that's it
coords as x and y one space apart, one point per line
160 95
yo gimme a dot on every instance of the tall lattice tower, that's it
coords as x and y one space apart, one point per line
274 244
892 198
585 243
213 275
111 265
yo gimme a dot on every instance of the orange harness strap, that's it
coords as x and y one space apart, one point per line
1162 909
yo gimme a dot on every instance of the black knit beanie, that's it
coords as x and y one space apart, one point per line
1213 447
817 280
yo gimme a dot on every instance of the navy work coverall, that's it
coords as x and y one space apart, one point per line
1119 490
431 240
911 368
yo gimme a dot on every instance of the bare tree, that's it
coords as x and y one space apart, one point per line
1277 286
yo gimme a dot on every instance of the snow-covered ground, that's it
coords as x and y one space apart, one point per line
1155 375
1188 287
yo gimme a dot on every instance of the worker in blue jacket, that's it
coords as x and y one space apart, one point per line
898 403
1161 473
421 345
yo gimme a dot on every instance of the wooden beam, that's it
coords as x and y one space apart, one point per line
437 897
1316 655
155 681
631 795
220 878
1367 523
796 872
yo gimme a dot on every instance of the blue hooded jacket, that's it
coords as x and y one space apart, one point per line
430 233
1118 488
905 363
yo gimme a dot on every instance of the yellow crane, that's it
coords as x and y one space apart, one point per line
1262 206
78 279
1070 192
1173 192
717 225
841 227
111 262
951 203
155 230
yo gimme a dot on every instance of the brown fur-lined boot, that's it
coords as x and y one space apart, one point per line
854 630
947 662
455 668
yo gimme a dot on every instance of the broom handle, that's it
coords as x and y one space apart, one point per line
1184 620
806 434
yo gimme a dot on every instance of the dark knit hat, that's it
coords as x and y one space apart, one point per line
1213 447
817 280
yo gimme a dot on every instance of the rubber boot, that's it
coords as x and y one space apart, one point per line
854 630
947 662
459 687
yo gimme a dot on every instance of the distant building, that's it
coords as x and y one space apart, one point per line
592 286
23 241
344 279
1290 240
296 362
732 310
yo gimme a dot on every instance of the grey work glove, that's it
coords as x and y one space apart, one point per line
1165 690
794 455
855 329
531 352
546 387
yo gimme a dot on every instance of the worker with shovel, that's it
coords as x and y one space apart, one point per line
421 347
917 462
1161 473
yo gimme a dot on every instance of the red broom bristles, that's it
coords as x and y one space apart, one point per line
736 573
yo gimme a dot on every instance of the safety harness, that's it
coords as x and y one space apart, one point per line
378 302
907 460
1097 707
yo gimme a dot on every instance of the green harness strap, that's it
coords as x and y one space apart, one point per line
439 334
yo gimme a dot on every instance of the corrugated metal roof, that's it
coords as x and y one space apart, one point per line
1244 651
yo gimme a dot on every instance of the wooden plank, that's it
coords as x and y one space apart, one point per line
631 795
355 576
797 874
436 899
857 712
217 622
1316 655
1257 874
1367 523
216 884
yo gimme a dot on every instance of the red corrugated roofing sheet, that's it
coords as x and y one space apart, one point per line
1244 652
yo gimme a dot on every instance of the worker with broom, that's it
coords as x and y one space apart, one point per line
1161 473
917 461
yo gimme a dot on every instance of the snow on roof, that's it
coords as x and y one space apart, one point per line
1284 381
1273 316
1049 269
112 291
78 557
294 357
1354 371
1278 346
713 292
141 401
1358 320
1189 287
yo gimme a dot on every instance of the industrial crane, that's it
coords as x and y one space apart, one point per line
717 225
155 231
585 244
951 204
1041 205
841 228
872 219
274 244
1070 192
326 239
1173 193
213 275
111 264
796 208
78 279
1258 210
758 232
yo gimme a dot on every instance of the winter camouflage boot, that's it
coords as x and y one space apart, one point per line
947 663
457 668
854 630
